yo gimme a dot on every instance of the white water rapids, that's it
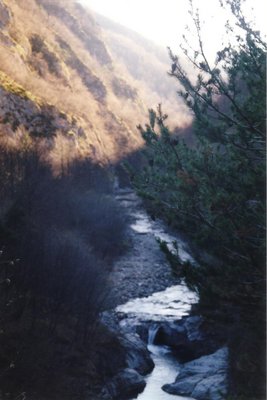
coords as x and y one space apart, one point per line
168 305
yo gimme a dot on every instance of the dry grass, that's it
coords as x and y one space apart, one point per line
110 130
72 98
147 72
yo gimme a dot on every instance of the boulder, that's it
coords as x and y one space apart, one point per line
137 355
202 379
171 334
190 338
126 384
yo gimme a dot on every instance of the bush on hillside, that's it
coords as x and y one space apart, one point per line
59 239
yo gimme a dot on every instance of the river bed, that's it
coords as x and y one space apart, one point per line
170 304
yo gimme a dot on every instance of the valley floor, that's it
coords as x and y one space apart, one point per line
143 270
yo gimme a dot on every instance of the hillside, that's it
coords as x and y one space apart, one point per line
58 115
69 106
63 76
56 76
75 240
148 65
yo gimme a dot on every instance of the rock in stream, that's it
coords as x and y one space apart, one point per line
154 305
203 379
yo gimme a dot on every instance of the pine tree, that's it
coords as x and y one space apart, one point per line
215 190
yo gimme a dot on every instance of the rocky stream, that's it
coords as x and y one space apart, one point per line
171 352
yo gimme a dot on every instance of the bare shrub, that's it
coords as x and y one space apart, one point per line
64 277
87 175
63 231
54 271
101 222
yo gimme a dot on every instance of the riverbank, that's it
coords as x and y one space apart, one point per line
152 302
143 270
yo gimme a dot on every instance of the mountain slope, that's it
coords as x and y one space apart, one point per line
147 65
55 67
65 75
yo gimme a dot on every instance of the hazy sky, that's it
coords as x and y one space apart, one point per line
163 21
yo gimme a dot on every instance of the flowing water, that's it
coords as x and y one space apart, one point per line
168 305
165 371
143 224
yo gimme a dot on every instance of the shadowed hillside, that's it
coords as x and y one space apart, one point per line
59 223
69 105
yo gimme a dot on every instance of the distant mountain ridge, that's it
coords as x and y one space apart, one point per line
149 45
147 64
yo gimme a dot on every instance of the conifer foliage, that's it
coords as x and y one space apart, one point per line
215 190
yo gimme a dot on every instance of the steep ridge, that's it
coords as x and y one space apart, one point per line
57 73
147 64
81 75
66 104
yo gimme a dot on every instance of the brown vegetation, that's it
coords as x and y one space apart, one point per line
47 57
145 65
66 108
61 57
59 236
